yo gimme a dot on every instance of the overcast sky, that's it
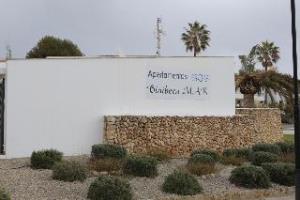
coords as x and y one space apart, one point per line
127 26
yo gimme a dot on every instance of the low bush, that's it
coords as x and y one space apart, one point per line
4 195
69 171
260 157
201 164
181 183
233 160
108 151
211 153
144 166
109 188
236 156
106 164
285 147
281 173
287 158
201 158
45 159
200 169
250 177
271 148
244 153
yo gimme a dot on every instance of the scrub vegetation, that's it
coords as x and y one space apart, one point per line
69 171
250 177
4 195
45 159
121 175
181 183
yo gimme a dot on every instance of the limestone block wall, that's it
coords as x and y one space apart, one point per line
178 136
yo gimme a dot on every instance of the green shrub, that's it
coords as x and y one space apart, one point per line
201 164
108 151
260 157
286 147
106 164
271 148
181 183
236 156
109 188
4 195
211 153
144 166
69 171
201 158
45 159
287 158
281 173
250 177
244 153
232 160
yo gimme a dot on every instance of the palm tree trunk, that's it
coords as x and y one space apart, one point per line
248 101
266 95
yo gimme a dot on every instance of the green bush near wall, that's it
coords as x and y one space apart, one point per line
211 153
108 151
45 159
250 177
201 164
69 171
286 147
281 173
271 148
261 157
144 166
245 153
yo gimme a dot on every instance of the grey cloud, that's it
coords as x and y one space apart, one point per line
110 26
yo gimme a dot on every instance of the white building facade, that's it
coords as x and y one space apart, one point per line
60 103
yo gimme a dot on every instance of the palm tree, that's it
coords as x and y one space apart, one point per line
196 38
272 82
248 63
267 53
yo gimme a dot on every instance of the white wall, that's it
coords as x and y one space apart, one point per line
60 103
2 67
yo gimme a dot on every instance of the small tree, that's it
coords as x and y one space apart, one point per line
267 53
196 38
272 82
52 46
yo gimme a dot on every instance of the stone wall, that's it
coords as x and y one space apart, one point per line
178 136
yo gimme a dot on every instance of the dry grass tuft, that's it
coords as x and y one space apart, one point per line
233 160
105 165
200 169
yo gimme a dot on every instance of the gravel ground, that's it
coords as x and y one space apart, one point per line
24 183
291 197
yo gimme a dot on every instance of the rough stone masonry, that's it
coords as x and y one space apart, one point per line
178 136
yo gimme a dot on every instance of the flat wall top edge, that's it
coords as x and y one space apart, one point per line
113 57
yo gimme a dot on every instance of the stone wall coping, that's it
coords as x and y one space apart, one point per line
257 108
174 116
191 116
